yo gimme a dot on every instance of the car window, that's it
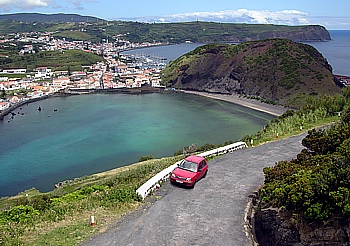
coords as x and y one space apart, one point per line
188 165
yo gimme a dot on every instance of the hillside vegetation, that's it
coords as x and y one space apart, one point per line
306 201
57 60
315 186
272 70
48 18
92 29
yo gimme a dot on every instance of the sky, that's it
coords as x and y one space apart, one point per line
333 14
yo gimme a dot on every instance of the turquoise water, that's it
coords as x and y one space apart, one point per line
81 135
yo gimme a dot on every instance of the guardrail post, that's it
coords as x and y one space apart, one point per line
92 220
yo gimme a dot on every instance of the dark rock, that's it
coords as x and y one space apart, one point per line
273 227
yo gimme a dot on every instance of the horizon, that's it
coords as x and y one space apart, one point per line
331 15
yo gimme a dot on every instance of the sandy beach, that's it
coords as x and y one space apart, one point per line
249 103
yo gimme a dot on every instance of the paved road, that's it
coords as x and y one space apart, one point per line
210 214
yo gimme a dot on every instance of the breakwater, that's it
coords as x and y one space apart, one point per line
14 106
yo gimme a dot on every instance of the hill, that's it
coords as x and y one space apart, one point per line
72 60
96 29
48 18
209 32
273 70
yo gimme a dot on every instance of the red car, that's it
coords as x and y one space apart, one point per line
189 171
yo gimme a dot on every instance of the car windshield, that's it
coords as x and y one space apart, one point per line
188 165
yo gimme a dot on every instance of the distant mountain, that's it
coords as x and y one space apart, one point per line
212 32
273 70
179 32
49 18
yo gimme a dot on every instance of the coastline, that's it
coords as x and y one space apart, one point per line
249 103
233 98
19 104
245 102
7 111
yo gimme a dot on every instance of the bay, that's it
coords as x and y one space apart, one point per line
81 135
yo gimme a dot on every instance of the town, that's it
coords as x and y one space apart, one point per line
117 71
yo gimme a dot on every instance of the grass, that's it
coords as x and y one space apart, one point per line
56 60
288 127
64 213
74 35
296 130
73 230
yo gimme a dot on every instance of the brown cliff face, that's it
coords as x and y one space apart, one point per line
307 33
274 227
277 70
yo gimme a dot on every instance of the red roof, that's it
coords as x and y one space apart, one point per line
194 158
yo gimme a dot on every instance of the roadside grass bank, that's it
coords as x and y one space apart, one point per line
281 128
317 111
62 216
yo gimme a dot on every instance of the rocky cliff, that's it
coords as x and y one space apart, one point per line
303 34
275 227
277 70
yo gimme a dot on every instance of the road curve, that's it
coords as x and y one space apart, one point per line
210 214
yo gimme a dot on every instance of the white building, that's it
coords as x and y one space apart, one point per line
14 71
4 105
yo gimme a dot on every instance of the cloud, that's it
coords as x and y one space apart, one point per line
7 5
23 4
79 2
332 23
56 6
285 17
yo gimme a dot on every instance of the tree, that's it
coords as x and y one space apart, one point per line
3 93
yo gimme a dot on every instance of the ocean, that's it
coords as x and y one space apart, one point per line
336 51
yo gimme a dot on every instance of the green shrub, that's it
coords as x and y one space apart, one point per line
123 194
70 197
21 213
316 184
145 158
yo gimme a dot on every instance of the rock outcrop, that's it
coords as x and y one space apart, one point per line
277 227
308 33
274 227
277 70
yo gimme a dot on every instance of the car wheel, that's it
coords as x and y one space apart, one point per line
194 183
205 174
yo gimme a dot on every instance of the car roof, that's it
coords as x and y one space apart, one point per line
195 158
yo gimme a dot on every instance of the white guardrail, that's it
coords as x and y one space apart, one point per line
153 182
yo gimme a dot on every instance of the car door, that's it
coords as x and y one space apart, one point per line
202 168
